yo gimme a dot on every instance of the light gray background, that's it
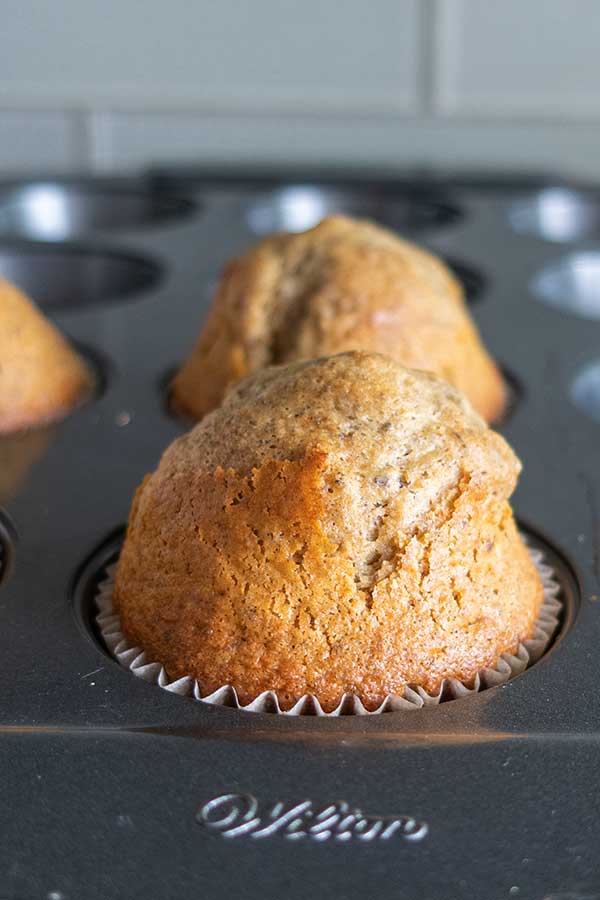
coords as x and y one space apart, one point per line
117 85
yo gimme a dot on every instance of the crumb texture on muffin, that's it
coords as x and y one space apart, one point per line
343 285
41 376
339 525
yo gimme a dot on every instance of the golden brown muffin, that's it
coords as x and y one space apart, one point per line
337 525
343 285
41 376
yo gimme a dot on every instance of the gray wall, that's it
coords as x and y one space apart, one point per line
114 85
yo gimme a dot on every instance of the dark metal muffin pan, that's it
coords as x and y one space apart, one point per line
585 391
108 781
8 539
571 283
58 209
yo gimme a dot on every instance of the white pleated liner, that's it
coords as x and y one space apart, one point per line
135 659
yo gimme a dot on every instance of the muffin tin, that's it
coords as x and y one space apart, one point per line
113 787
57 210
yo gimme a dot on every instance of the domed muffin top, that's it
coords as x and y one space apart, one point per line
343 285
386 435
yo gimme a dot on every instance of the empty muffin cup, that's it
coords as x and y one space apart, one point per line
74 277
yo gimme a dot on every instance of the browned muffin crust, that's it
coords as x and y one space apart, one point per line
41 376
343 285
337 525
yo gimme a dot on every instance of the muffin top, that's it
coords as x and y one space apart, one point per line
338 525
41 377
385 434
344 285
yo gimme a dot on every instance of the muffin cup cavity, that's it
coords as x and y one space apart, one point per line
64 209
508 666
301 206
571 285
73 277
8 539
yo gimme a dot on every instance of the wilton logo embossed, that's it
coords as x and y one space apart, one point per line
238 815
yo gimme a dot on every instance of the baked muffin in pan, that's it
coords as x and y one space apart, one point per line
344 285
339 525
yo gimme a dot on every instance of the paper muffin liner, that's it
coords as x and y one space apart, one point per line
508 665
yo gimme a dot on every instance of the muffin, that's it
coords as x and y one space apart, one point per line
343 285
337 525
41 376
